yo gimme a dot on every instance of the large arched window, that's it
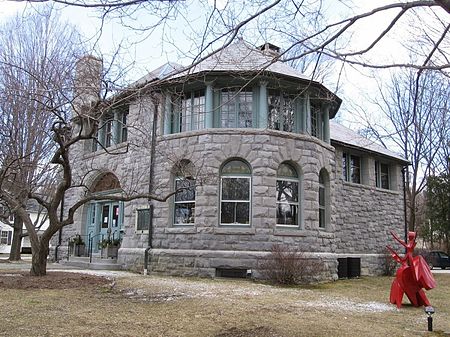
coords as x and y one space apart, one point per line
235 192
287 196
324 199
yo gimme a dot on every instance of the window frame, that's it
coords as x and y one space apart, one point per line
247 176
235 98
188 111
180 202
379 175
316 116
297 203
4 237
113 128
348 168
282 111
137 212
322 205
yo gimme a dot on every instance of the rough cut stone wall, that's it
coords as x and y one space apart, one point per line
365 215
129 162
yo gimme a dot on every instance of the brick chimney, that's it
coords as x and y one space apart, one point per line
270 49
88 72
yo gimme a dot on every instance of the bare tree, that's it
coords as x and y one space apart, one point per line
415 119
304 28
36 59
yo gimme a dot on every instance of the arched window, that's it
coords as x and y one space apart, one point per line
287 196
235 192
324 199
184 200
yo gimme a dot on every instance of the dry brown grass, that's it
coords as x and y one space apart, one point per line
168 307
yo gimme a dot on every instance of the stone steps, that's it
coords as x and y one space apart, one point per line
97 263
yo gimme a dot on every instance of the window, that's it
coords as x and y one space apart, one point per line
109 128
142 219
184 208
316 121
281 109
189 112
112 128
381 175
236 109
5 237
351 168
287 195
322 196
235 191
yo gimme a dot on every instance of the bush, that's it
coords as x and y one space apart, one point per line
290 266
389 265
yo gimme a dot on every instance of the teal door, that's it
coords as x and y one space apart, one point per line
104 220
110 220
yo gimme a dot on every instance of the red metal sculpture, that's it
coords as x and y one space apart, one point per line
413 275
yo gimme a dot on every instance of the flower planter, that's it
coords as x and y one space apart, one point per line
79 250
110 252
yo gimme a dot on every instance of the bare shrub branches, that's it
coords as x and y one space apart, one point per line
286 265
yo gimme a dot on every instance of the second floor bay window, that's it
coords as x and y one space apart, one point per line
236 109
112 128
189 112
281 110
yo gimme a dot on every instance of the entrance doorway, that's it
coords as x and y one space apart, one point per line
105 221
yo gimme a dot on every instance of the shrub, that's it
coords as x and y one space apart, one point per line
290 266
389 265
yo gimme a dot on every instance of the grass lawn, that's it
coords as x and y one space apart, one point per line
135 305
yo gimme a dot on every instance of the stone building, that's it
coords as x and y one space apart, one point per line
251 146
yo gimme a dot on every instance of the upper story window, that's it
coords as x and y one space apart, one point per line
113 128
287 195
351 168
235 192
281 109
190 113
316 121
236 109
382 175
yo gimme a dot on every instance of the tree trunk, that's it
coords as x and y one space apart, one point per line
39 259
16 244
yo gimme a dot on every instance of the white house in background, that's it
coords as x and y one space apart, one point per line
6 231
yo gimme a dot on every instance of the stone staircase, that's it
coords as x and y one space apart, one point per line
98 263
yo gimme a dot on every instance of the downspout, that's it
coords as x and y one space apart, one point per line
405 213
61 215
149 244
150 183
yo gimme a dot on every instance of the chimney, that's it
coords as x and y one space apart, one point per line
270 49
88 72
